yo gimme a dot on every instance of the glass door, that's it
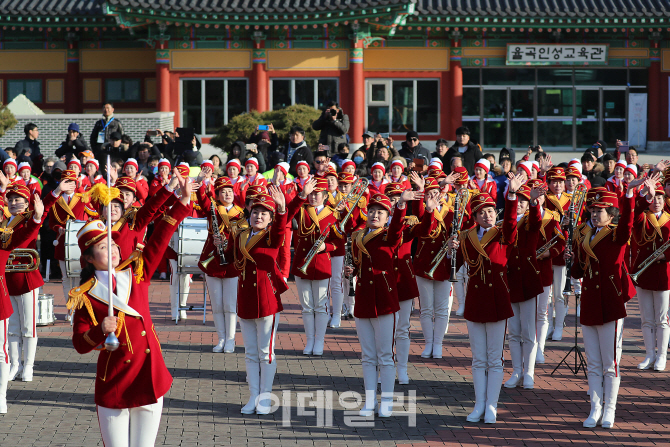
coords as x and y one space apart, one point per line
554 117
522 116
494 113
587 116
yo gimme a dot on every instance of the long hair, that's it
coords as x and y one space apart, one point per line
88 270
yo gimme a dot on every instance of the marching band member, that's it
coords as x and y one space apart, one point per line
378 182
435 294
486 249
406 281
10 167
599 260
573 177
93 176
31 182
337 256
374 253
651 230
290 190
459 287
131 169
258 294
132 380
70 206
481 182
525 283
221 279
314 218
557 200
161 179
23 287
10 241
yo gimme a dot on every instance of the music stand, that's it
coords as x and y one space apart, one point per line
580 361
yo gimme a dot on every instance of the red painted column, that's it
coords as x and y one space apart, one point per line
357 88
163 80
654 114
73 93
456 110
260 97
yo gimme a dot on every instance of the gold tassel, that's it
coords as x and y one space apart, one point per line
102 193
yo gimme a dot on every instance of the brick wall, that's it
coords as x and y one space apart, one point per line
53 127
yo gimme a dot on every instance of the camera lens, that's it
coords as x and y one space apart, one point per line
333 112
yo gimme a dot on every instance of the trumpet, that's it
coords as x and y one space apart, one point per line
26 267
574 211
314 250
357 191
553 241
650 260
461 201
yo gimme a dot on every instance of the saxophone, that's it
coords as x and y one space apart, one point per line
220 243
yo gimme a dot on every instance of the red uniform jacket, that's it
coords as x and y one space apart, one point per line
553 203
142 189
599 261
488 186
226 223
260 282
488 296
433 232
310 227
86 183
407 287
135 374
20 283
11 240
523 272
60 213
373 188
374 254
649 233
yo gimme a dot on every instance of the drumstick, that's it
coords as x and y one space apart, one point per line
111 342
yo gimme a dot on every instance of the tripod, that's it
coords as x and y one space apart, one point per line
580 361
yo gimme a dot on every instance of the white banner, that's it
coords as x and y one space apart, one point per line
556 54
637 120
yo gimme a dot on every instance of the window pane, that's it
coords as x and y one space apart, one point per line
471 101
639 77
114 90
495 134
554 76
471 76
522 103
495 103
213 105
614 103
475 130
600 76
326 91
378 92
522 133
403 106
237 97
378 118
131 90
554 133
191 97
427 97
614 130
281 94
587 104
304 92
587 133
554 102
34 90
14 89
508 76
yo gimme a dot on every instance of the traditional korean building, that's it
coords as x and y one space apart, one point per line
561 73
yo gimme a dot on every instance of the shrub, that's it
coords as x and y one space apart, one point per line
7 119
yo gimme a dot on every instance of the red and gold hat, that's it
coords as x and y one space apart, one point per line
431 183
380 200
184 169
331 171
92 233
480 201
435 172
524 191
573 171
264 200
222 182
535 183
321 184
346 177
254 190
658 189
68 174
125 182
394 188
605 199
555 173
463 175
592 193
19 188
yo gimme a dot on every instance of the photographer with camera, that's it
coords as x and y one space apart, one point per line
334 125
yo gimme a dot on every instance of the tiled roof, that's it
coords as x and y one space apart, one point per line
51 7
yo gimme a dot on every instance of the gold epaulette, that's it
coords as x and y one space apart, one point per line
411 220
555 214
238 226
136 257
130 216
77 299
362 202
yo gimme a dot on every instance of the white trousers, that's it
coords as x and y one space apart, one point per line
543 306
487 341
313 295
435 299
559 283
180 285
130 427
336 285
22 323
522 336
602 344
376 338
4 344
402 332
259 338
222 294
461 286
68 283
654 314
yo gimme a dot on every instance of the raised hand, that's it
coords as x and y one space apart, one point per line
278 196
174 181
537 192
545 163
431 204
515 182
418 180
186 190
309 186
662 165
451 178
38 206
408 195
4 181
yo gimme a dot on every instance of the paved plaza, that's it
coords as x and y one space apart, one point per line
203 406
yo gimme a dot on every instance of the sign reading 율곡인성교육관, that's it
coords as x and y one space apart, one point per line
556 54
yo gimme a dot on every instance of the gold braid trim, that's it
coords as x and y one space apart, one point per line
136 257
411 220
476 264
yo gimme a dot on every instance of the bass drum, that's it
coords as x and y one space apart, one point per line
189 242
72 251
45 310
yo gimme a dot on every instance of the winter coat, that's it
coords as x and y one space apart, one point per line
333 131
470 157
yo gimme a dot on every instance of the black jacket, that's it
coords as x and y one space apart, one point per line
333 131
302 153
68 148
419 152
29 150
470 157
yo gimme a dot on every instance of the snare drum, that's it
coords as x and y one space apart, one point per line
45 310
189 242
72 251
